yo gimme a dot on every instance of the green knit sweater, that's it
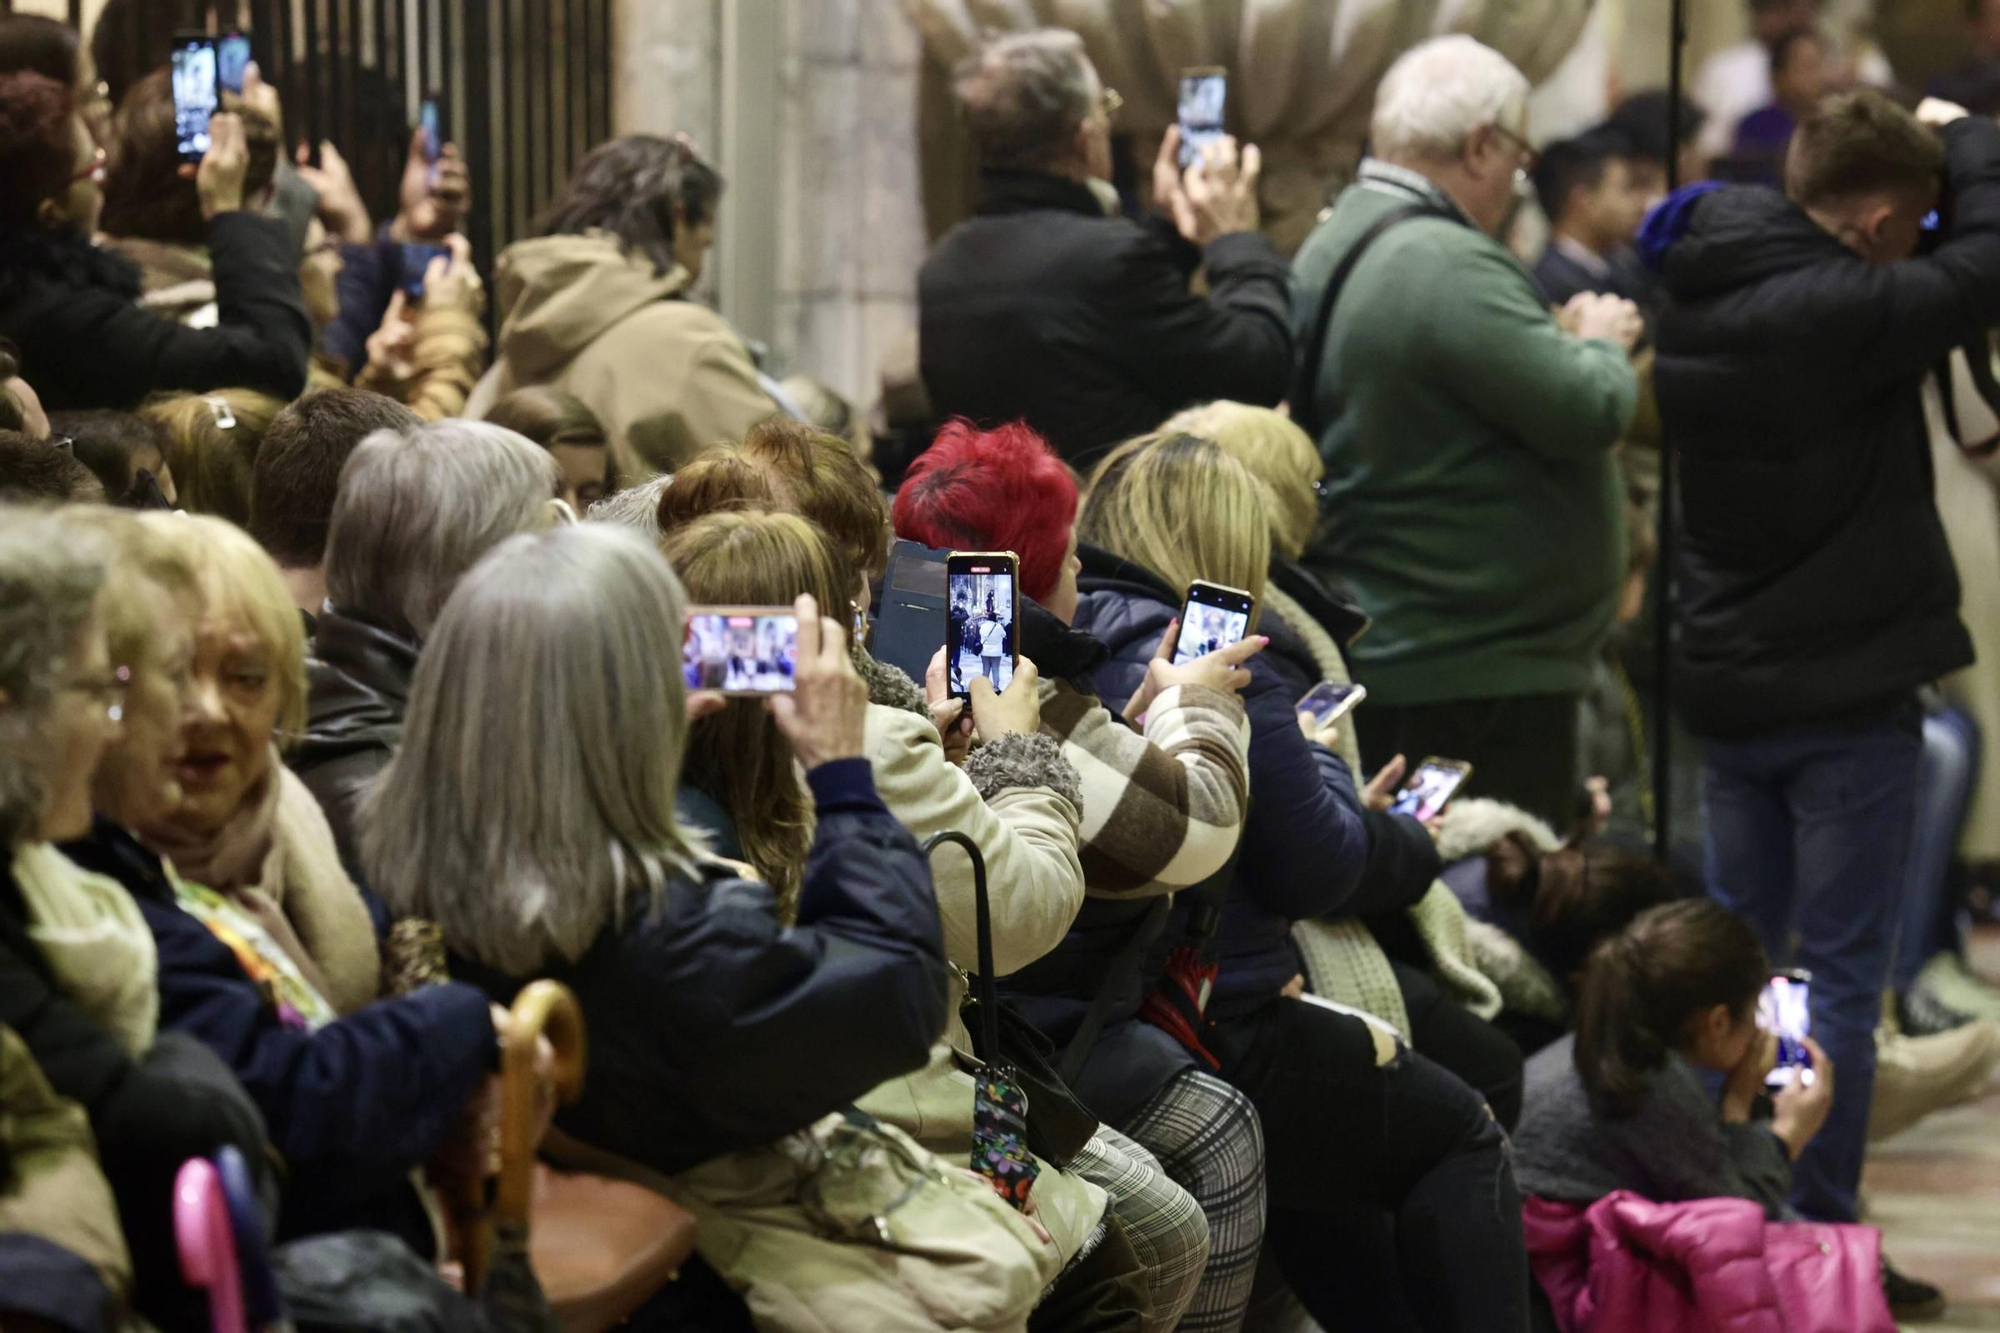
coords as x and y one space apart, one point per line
1472 505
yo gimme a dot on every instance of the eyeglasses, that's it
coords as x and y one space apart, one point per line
108 690
1109 102
1530 158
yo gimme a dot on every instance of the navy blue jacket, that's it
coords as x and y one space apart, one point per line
1305 845
714 1028
352 1107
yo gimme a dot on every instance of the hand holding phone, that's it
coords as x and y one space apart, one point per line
1431 788
232 61
981 637
1784 1010
741 650
1328 702
1212 618
197 93
1203 101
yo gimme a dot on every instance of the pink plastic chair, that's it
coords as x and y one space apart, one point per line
208 1244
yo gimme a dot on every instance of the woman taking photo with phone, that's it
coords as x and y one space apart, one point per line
1620 1105
1355 1124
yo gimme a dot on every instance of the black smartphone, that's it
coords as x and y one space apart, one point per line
1204 97
741 650
196 94
1785 1011
1212 618
417 257
232 60
1329 702
909 627
1428 790
980 636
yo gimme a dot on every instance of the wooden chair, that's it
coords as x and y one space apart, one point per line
599 1247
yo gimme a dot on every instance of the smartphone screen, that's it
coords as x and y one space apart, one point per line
1204 93
1330 702
744 650
1785 1011
232 59
195 96
979 634
416 258
1431 788
1212 618
427 116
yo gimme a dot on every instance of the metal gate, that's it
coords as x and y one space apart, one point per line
524 87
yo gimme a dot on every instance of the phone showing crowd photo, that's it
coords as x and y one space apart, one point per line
1212 618
232 61
980 638
1430 788
1204 95
1785 1011
741 650
1328 702
195 95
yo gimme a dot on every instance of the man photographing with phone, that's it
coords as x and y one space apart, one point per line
1816 592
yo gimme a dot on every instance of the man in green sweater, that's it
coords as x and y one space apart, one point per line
1472 504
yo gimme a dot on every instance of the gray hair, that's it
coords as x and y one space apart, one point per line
635 507
50 576
1023 96
1438 93
532 801
418 507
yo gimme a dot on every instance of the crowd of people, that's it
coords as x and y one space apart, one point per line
404 708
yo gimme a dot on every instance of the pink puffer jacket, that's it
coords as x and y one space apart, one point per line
1629 1265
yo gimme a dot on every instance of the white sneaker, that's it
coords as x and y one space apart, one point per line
1915 1076
1952 984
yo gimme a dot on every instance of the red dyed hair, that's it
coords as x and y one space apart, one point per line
995 490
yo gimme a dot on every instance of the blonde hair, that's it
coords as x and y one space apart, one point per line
213 464
1279 454
531 805
239 581
144 562
1183 508
738 755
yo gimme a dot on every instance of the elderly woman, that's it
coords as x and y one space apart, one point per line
87 1012
244 826
353 1104
544 840
416 509
1356 1125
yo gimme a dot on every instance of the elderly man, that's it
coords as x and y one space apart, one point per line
1043 308
1471 503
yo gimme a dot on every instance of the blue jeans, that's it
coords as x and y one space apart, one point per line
1944 790
1808 836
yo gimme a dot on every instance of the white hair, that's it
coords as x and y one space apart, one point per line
635 507
1438 93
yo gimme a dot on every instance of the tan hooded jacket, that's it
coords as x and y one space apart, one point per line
665 374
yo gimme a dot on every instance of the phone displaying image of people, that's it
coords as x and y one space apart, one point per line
1204 97
980 638
1784 1009
741 650
195 93
1430 788
1329 703
1212 618
232 61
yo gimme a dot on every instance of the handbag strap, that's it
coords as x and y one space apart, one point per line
982 983
1315 348
1128 962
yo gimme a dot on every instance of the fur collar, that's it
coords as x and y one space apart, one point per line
1471 826
889 686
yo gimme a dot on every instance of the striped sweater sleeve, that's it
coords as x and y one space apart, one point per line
1162 808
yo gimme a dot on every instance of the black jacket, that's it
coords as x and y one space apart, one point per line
86 342
1042 308
1814 579
149 1114
713 1028
357 690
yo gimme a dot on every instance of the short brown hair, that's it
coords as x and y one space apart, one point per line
144 193
1023 95
37 144
297 473
1858 143
788 465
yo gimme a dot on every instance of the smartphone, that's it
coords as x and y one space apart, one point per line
417 257
980 638
909 627
1330 702
1204 93
1212 618
1785 1011
1430 788
741 650
427 117
195 93
232 59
